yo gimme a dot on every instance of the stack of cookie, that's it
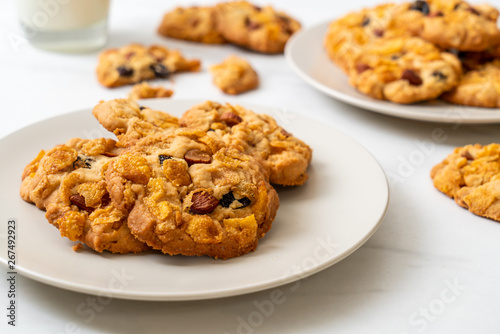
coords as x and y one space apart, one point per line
421 50
195 186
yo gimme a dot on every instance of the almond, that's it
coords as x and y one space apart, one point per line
197 157
203 203
231 119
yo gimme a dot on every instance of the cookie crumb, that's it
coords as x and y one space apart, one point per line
77 247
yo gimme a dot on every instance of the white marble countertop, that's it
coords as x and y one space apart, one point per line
431 267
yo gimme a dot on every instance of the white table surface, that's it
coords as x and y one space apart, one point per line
431 267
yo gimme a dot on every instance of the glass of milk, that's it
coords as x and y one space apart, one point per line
65 25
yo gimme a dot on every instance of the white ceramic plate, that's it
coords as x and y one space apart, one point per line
317 225
307 57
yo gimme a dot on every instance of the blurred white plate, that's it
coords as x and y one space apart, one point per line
306 55
317 225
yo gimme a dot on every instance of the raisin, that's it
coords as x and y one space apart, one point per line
125 71
245 201
360 68
160 70
378 32
421 6
79 201
437 14
251 25
142 108
83 162
366 21
473 11
439 75
467 155
163 157
227 200
412 77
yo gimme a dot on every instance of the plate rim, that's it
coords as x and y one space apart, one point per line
236 291
378 106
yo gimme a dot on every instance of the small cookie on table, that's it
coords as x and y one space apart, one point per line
471 176
135 63
144 91
234 76
196 24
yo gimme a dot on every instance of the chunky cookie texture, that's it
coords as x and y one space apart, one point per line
479 87
283 156
471 175
234 76
261 29
347 36
68 182
404 70
454 24
188 194
130 122
197 24
145 91
135 63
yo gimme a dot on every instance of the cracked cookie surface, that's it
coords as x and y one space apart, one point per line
188 194
479 87
404 70
471 176
284 157
130 122
68 182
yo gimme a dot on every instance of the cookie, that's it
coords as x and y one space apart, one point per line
454 24
196 24
188 194
471 175
144 91
347 36
283 156
68 182
234 76
260 29
479 87
404 70
135 63
130 122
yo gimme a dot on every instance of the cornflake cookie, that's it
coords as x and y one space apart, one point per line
471 175
197 24
347 36
261 29
144 91
454 24
404 70
234 76
135 63
479 87
68 182
189 195
283 156
130 122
